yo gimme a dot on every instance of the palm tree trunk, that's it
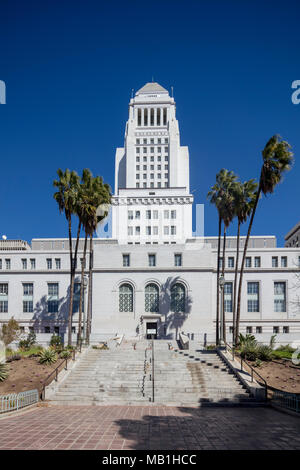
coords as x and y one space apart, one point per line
70 313
81 291
235 281
223 297
218 293
238 312
89 313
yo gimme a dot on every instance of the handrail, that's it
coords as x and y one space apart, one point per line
55 371
152 369
253 371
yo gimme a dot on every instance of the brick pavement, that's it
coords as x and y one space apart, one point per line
150 428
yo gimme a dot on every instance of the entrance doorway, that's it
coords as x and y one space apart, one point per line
151 330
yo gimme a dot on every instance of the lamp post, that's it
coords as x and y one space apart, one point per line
221 284
85 283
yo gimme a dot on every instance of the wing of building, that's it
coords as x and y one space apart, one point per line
152 275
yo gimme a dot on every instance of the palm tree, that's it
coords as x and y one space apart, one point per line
277 159
244 197
66 198
100 195
84 212
223 179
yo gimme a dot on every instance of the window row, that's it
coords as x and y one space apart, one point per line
31 263
158 185
256 262
159 140
152 260
152 117
151 176
52 302
151 230
253 296
145 149
177 298
151 214
259 330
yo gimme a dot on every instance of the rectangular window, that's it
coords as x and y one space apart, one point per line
274 261
248 262
155 214
166 214
32 263
27 306
258 330
76 297
130 231
284 261
148 214
24 263
253 296
56 330
47 329
152 260
173 214
285 329
166 230
276 330
137 230
7 263
220 262
231 262
173 230
126 260
57 263
148 230
4 298
155 230
178 259
257 261
279 297
28 289
49 263
249 330
228 296
137 215
137 185
52 297
130 215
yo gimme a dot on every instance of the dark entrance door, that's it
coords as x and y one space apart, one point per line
151 330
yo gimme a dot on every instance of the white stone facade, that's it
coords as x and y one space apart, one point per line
158 280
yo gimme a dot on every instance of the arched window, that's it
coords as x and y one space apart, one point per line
178 298
125 298
151 298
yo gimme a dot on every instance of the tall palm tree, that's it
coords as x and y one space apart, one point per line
277 159
244 196
84 212
100 195
66 197
215 196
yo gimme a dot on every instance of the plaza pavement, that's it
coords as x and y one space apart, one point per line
150 428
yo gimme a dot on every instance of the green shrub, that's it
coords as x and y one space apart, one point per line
47 356
285 348
27 343
65 354
264 352
257 363
249 351
3 371
56 341
211 346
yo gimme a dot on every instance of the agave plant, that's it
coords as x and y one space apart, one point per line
264 352
47 356
3 371
65 354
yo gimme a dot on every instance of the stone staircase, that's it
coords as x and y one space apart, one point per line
123 375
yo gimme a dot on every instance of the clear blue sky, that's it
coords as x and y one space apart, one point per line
69 67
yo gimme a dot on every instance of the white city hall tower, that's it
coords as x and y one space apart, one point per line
152 202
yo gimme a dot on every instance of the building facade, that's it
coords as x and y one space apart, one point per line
152 276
